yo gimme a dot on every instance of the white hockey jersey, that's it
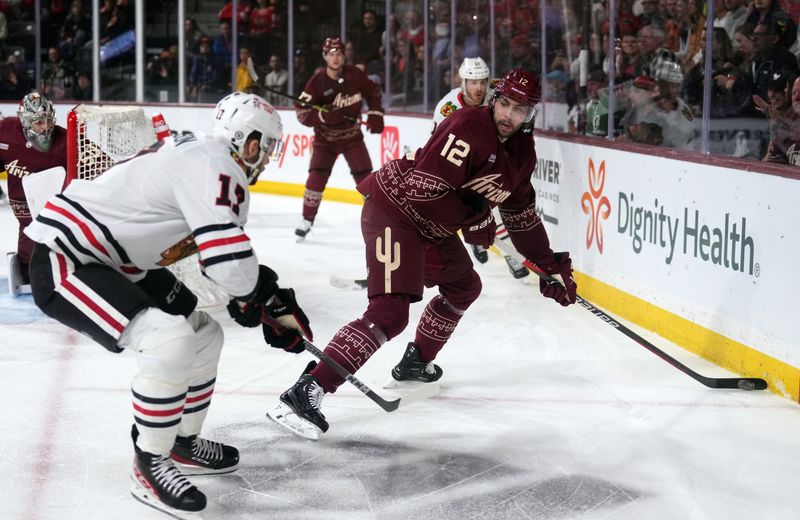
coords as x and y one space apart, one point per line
451 102
142 213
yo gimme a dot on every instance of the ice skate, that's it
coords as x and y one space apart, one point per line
480 254
303 229
16 285
298 410
198 456
160 485
516 268
411 369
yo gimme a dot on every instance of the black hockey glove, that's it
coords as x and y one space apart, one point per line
246 311
285 323
564 292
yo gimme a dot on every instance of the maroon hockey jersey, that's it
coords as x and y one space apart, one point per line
19 159
458 176
346 96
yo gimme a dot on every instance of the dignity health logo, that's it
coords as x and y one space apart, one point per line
596 205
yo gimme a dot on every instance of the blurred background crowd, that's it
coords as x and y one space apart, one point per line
709 76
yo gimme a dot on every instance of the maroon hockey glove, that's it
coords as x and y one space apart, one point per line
333 116
482 232
375 121
246 311
564 292
285 323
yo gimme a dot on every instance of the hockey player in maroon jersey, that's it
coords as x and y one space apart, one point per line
30 142
341 89
478 158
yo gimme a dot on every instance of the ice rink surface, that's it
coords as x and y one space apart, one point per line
545 413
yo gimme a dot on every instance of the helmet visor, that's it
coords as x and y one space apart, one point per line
518 111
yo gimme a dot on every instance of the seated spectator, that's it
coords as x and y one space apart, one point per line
193 36
206 83
13 84
732 88
628 58
769 12
162 70
302 72
226 15
368 38
770 59
83 87
784 147
665 119
76 31
243 77
223 44
651 45
276 79
777 102
735 16
57 76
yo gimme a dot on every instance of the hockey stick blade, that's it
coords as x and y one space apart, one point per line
354 284
742 383
387 405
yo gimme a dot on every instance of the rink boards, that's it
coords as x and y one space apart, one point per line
699 253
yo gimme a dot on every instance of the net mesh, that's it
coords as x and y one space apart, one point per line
107 135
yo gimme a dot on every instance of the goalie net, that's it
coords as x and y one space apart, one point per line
99 137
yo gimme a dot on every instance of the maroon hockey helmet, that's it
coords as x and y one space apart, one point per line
521 86
332 43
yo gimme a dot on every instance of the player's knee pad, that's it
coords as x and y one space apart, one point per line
164 345
464 291
208 337
389 313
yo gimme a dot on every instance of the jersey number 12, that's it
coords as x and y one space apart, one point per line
455 153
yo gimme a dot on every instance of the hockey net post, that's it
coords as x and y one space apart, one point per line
100 136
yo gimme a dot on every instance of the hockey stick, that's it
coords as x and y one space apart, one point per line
428 390
251 69
743 383
354 284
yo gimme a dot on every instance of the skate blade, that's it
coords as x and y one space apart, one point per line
406 386
143 495
199 471
285 416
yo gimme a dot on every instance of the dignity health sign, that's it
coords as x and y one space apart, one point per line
713 245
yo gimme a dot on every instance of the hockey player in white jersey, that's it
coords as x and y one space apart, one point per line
473 92
98 267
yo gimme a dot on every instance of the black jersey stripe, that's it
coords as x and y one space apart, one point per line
68 252
70 236
123 255
197 408
158 400
203 386
150 424
214 227
207 262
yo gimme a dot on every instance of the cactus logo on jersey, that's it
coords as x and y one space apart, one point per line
390 144
596 205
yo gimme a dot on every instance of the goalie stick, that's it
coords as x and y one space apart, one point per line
743 383
430 389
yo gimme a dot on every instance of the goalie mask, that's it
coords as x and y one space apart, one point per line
240 116
38 119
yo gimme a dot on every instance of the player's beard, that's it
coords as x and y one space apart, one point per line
506 127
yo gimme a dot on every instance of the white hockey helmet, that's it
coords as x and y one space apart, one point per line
473 68
237 116
35 108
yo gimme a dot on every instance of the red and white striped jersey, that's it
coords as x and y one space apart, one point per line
142 213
